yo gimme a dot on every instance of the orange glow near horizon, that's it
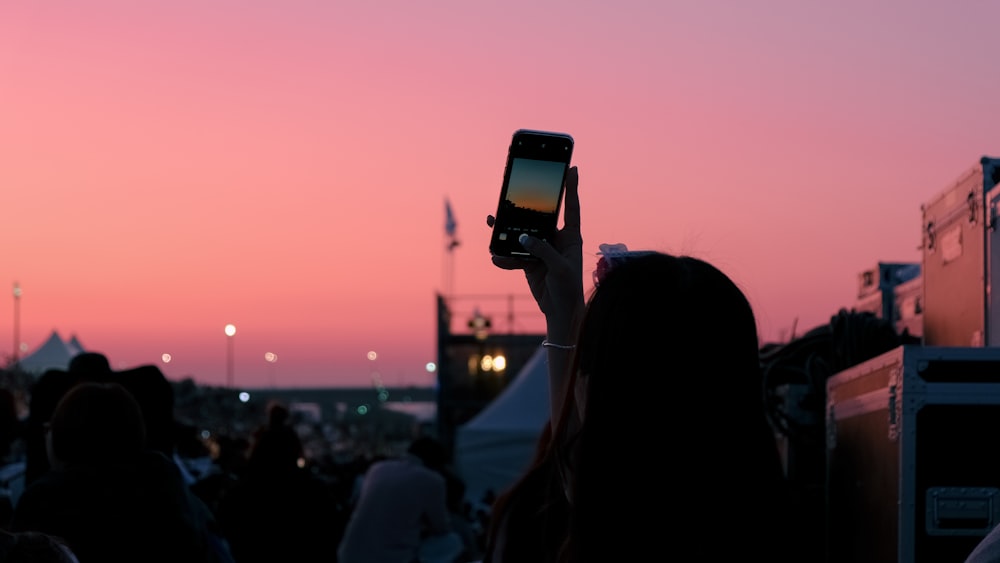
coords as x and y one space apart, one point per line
170 167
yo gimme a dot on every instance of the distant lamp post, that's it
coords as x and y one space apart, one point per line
376 376
270 358
230 367
17 322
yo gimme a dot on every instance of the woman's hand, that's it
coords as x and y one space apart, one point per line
556 278
556 283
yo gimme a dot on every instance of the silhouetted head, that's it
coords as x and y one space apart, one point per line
155 396
658 327
50 387
95 424
667 368
92 366
277 414
430 451
276 445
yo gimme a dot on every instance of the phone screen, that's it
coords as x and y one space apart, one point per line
532 190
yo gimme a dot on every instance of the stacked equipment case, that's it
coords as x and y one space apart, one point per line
913 455
961 252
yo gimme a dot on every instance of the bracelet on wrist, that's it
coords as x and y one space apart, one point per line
548 344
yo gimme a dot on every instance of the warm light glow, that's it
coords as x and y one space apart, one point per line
372 356
165 358
230 330
270 357
499 363
486 363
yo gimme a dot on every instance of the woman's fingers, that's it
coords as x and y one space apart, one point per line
571 219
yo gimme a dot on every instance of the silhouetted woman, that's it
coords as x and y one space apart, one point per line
658 446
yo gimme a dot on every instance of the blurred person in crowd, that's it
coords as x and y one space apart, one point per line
228 466
147 384
401 515
658 442
10 423
277 509
462 519
45 393
107 494
11 468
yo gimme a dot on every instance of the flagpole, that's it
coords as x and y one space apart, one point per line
451 241
17 325
449 271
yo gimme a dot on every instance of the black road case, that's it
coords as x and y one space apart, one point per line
913 455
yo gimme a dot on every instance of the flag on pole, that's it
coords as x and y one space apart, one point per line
450 225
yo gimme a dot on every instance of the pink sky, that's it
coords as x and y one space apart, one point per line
170 167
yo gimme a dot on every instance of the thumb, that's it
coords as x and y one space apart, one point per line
538 247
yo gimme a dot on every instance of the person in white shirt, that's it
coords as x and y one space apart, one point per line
402 510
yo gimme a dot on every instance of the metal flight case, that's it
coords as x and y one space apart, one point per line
960 254
913 455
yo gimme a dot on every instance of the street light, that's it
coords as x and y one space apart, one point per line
383 393
270 358
230 332
17 321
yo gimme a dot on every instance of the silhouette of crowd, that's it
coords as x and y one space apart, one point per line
105 471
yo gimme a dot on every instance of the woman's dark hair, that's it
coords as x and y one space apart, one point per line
532 514
670 353
674 421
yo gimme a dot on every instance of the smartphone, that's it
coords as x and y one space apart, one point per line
532 190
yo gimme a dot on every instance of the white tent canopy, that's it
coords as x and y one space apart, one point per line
494 448
55 353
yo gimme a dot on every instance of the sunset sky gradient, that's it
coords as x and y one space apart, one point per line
171 167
